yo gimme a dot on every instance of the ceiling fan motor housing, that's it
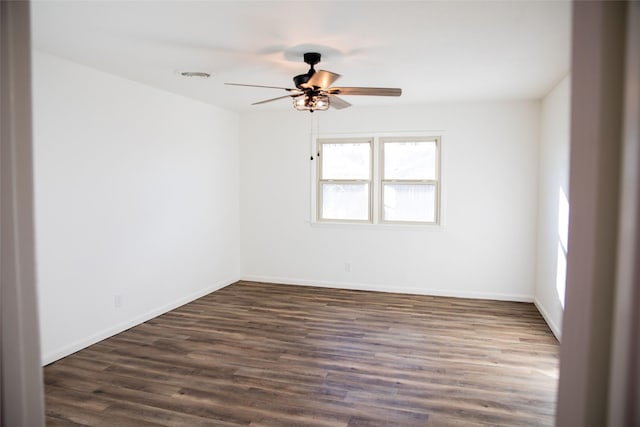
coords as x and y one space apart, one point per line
301 79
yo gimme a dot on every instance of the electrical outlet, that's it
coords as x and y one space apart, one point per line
118 300
347 267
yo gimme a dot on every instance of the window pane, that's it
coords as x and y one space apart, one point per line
345 201
346 161
409 202
410 160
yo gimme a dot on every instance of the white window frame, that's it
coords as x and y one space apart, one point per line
375 184
320 180
435 182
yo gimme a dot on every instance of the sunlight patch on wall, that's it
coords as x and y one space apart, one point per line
563 244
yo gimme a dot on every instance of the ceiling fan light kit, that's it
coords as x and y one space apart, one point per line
311 103
313 91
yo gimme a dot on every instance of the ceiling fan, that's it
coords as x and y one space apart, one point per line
313 90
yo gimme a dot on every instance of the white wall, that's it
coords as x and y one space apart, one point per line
486 248
553 185
136 202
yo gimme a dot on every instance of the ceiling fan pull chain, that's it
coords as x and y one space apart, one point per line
312 136
318 131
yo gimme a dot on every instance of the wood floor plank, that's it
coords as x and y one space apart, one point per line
256 354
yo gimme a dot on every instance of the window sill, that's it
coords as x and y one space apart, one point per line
379 226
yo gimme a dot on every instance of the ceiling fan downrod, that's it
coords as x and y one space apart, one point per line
311 58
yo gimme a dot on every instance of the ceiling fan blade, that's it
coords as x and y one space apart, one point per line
273 99
267 87
338 103
322 79
372 91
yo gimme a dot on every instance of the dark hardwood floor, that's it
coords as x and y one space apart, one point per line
275 355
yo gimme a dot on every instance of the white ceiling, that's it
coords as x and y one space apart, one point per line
435 51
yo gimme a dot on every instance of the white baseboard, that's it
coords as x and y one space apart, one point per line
116 329
383 288
557 331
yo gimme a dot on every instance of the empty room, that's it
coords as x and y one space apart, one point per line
322 213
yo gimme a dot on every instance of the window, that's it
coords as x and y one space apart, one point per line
400 184
344 184
409 180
